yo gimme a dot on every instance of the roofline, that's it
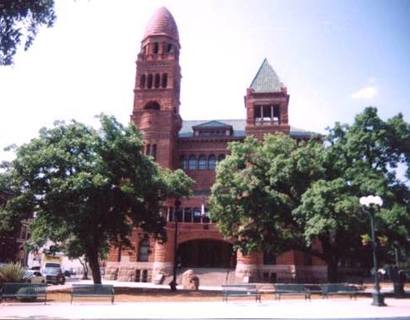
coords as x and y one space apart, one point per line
259 70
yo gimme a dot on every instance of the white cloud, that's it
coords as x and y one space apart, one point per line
365 93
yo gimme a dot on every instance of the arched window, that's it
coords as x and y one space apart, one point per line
157 80
202 162
143 250
164 80
142 81
182 162
149 84
211 162
152 105
155 48
192 162
221 157
154 151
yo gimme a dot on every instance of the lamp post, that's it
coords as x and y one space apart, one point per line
173 283
371 203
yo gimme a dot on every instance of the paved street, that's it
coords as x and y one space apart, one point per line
286 309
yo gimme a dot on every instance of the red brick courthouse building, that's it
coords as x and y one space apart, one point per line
196 147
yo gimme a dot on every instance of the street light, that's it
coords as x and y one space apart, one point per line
372 203
173 283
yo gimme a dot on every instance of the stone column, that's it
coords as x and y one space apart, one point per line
164 256
247 266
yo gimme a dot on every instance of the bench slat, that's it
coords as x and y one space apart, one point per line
23 290
92 290
240 290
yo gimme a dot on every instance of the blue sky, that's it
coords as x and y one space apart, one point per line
335 57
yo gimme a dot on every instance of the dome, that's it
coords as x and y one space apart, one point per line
162 23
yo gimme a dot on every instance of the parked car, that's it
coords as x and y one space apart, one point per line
33 276
54 275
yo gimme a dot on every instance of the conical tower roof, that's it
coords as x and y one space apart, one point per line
162 23
266 79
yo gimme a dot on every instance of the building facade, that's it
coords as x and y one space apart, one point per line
196 147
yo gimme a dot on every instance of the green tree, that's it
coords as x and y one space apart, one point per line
19 23
361 159
89 188
258 186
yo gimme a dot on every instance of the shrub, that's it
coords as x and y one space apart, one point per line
26 294
11 272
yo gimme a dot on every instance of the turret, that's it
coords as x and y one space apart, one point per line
266 103
157 87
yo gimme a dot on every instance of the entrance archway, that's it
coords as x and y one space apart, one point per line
205 253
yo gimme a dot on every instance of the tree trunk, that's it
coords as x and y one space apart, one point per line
332 275
92 256
329 256
85 268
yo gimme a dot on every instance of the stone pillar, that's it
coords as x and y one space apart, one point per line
164 256
247 266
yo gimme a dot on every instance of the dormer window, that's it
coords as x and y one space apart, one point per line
212 129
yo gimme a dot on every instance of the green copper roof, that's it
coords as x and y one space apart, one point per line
266 79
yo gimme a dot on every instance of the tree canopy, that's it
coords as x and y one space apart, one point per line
89 188
279 194
19 24
361 159
258 186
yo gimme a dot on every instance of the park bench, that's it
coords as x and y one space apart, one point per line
240 290
339 289
92 290
291 289
23 291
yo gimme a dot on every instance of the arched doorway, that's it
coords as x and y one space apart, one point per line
205 253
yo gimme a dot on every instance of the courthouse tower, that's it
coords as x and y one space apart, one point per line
157 88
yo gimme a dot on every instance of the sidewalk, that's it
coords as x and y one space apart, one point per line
338 308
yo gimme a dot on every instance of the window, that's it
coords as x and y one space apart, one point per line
155 48
182 162
164 80
179 215
187 215
149 84
192 162
143 250
257 114
266 113
202 162
142 81
197 215
151 150
276 114
154 151
221 157
157 80
170 48
152 105
211 162
171 214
